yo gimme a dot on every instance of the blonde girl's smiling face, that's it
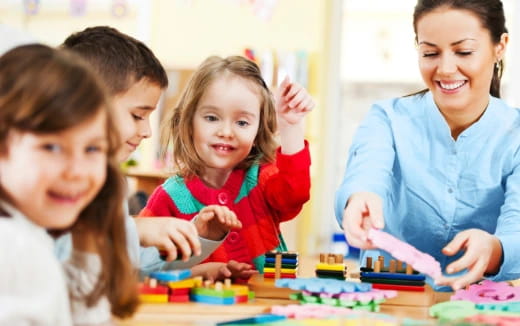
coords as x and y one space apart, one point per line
225 124
52 177
456 59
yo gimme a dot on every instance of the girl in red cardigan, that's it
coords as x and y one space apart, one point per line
226 159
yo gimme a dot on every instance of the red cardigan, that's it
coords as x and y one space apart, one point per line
261 197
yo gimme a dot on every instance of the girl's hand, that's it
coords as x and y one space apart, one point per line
293 102
213 222
364 211
216 271
483 253
171 235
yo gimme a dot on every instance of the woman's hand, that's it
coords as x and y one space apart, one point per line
482 255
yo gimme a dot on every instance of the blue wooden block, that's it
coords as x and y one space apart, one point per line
211 300
284 261
394 276
171 276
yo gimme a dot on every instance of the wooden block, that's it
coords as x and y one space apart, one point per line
339 259
265 288
392 267
369 262
377 266
425 298
277 265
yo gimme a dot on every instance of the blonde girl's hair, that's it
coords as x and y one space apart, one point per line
177 130
44 91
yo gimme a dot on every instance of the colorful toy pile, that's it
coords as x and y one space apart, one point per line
336 293
493 303
331 266
392 277
281 265
177 286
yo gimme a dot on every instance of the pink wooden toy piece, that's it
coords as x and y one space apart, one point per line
488 292
495 320
309 311
402 251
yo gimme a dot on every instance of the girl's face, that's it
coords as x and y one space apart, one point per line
456 59
226 122
132 115
51 178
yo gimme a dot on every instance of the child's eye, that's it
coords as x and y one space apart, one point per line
94 149
137 117
50 147
243 123
210 118
429 54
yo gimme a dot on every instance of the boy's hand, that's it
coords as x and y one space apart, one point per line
213 222
364 211
293 102
217 271
169 234
483 253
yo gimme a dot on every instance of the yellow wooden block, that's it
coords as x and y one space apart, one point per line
189 283
282 270
330 267
153 298
240 289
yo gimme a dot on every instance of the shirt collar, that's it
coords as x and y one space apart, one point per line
19 218
441 128
208 196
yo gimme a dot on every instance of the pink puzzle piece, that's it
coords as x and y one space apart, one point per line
402 251
495 320
309 311
488 292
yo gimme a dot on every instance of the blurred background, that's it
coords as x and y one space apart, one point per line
348 53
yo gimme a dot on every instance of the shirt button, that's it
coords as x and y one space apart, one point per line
222 198
450 190
233 237
454 152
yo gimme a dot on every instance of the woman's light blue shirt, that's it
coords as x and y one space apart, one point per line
434 187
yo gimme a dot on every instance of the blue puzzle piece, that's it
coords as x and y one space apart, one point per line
331 286
171 276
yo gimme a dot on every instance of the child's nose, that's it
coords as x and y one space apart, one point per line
225 130
145 131
77 166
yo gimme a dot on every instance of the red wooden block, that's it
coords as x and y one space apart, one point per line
146 289
398 287
271 275
179 298
182 291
